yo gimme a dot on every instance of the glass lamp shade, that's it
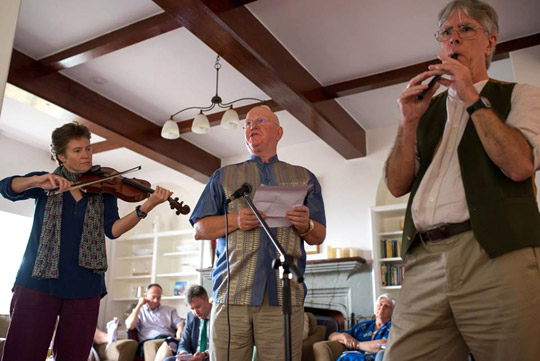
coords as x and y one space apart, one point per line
170 130
200 124
230 119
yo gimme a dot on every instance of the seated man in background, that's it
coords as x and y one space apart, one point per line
154 322
196 336
367 337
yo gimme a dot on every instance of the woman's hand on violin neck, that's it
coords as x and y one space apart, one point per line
159 196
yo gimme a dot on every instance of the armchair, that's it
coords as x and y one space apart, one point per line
150 347
4 324
121 350
327 350
316 333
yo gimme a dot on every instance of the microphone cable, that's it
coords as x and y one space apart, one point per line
228 281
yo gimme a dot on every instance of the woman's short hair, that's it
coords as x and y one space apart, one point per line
61 137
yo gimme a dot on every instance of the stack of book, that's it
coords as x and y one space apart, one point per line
390 248
392 274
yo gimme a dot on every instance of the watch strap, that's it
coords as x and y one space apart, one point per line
310 228
479 104
140 213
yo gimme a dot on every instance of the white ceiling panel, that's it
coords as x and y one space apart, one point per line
45 27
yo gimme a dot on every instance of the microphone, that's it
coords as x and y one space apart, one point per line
240 192
432 82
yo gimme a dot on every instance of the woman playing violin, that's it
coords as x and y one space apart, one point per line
62 271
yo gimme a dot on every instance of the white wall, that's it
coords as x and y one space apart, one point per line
9 12
17 158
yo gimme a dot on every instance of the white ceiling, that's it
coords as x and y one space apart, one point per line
334 40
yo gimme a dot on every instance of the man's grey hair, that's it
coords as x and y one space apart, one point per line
388 297
479 11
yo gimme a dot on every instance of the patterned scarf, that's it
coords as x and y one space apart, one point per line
92 254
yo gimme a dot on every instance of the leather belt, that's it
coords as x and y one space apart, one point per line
444 231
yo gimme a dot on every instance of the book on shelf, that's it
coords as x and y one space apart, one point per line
392 274
180 288
391 248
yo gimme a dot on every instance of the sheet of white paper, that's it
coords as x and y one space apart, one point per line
274 201
112 329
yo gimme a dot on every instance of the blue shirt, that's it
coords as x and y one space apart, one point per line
73 281
251 252
364 332
161 321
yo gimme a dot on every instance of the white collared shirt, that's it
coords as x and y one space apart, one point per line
440 197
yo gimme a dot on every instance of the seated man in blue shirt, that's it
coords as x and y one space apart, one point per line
195 340
367 337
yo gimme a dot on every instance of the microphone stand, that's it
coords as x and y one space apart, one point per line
286 262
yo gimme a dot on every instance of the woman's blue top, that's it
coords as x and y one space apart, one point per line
73 281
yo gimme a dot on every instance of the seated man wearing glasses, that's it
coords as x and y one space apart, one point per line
471 239
255 314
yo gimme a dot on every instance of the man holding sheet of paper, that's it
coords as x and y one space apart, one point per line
255 293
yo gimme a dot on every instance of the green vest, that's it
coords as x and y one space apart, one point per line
504 214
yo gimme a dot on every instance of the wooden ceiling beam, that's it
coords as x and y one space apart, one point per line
401 75
104 146
248 46
121 38
388 78
109 120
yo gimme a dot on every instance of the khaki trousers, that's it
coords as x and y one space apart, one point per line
254 325
150 349
455 299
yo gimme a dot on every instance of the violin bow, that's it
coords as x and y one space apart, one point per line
55 191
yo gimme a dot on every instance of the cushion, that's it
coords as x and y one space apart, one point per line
4 324
305 331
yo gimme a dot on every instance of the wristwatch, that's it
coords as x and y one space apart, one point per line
141 214
310 228
483 102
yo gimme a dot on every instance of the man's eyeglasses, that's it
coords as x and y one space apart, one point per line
250 123
465 31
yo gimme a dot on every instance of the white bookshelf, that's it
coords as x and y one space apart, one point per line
161 256
385 228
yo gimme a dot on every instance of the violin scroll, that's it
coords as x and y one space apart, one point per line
180 207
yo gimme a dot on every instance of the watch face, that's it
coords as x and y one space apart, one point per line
486 102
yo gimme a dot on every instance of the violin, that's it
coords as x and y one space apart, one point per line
107 180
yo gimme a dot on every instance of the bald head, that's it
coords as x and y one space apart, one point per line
262 132
264 112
